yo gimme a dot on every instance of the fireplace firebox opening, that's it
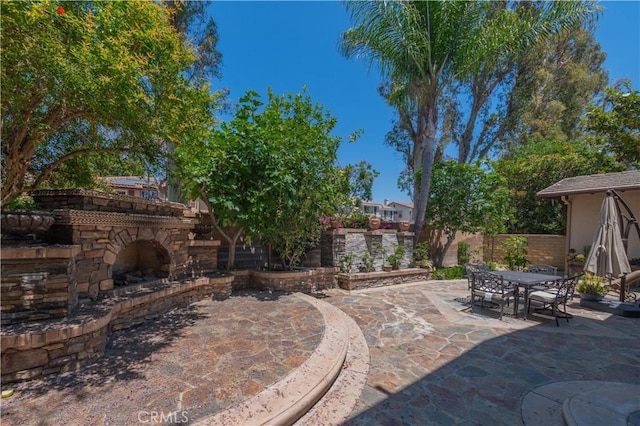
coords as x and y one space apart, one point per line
141 261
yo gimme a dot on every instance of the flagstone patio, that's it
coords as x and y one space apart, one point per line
428 359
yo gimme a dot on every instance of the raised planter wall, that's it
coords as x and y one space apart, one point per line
305 281
242 279
364 280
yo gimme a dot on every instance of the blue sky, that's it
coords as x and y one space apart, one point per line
290 45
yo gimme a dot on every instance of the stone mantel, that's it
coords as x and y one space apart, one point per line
82 217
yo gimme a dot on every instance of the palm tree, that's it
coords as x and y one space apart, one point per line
421 47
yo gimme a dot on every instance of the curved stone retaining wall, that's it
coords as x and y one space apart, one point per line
69 344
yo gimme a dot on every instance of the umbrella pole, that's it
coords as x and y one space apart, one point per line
623 287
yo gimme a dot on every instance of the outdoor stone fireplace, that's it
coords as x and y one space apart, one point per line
124 240
108 262
99 241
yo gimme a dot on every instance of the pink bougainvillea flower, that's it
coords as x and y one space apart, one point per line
60 10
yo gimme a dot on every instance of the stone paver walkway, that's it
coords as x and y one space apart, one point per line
432 361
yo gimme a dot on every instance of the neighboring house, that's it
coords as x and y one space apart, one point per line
402 211
371 208
389 212
144 187
583 196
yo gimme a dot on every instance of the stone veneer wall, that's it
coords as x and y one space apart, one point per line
70 344
242 279
103 224
364 280
205 252
47 290
289 281
336 243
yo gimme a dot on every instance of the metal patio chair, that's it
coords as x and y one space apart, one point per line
492 288
555 298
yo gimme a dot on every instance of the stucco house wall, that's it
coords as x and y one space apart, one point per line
584 215
583 196
402 212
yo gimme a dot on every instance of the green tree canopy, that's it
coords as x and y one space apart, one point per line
422 47
88 77
466 198
361 177
270 171
539 164
614 124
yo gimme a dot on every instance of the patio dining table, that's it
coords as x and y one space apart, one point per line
526 280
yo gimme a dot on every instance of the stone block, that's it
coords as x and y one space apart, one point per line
53 286
75 348
99 275
146 234
106 285
91 254
109 257
94 289
24 360
22 375
125 237
61 361
70 366
7 342
91 235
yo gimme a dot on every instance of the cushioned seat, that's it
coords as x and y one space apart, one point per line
553 298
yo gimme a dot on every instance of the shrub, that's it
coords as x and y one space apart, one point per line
450 273
367 262
346 262
515 248
421 254
463 252
395 259
592 284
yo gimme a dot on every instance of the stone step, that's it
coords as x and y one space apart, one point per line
339 401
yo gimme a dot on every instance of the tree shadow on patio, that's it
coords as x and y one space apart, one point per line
464 373
126 354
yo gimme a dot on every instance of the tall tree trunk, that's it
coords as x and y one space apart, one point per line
428 142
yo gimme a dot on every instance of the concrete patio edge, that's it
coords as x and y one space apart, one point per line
341 399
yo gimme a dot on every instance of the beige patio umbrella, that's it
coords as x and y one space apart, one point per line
608 257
